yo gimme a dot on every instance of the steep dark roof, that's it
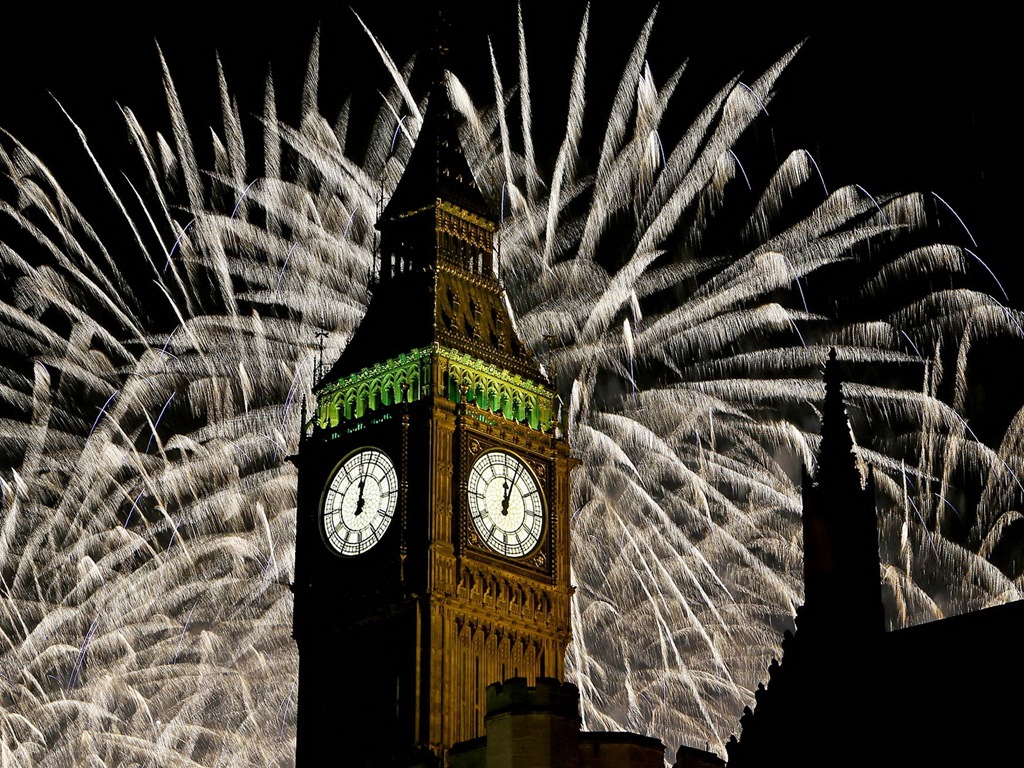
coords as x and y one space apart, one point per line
436 281
437 168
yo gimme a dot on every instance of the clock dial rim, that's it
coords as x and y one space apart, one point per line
340 505
525 512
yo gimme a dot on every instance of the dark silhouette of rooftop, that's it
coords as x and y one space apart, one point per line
937 694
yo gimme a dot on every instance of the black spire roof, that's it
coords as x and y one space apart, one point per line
436 281
437 168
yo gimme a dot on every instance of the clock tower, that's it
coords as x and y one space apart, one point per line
432 542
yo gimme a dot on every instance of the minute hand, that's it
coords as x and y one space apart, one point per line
362 485
508 489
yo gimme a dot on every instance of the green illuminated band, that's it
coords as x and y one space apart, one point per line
422 372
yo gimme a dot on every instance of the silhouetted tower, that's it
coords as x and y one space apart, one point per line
803 716
842 574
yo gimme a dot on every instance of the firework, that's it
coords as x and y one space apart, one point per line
154 367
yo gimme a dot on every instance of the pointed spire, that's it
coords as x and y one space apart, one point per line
435 278
837 459
437 168
842 593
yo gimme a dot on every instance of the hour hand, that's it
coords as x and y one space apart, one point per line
506 491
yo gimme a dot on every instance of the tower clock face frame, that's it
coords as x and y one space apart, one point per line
505 503
359 502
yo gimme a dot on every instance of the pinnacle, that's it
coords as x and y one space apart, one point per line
837 454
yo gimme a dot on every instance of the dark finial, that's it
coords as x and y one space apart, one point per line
439 44
834 417
318 371
837 450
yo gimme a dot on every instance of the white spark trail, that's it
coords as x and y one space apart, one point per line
147 507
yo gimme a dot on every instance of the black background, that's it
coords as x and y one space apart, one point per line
889 98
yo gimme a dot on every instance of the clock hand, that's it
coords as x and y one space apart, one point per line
504 497
507 488
359 501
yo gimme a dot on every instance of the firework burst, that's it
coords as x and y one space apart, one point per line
154 368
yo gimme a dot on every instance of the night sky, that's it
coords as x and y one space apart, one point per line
894 104
922 102
913 102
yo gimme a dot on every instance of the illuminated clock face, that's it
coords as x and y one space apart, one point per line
505 503
360 502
